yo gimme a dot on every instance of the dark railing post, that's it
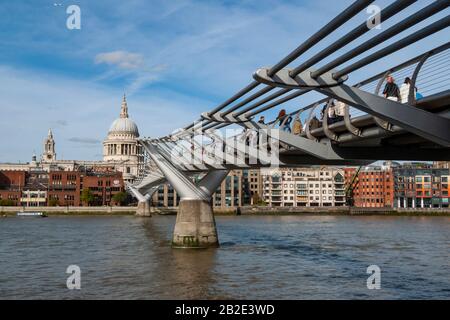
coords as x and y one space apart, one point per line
412 86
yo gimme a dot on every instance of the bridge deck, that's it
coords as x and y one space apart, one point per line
439 102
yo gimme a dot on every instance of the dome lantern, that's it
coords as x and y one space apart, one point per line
124 108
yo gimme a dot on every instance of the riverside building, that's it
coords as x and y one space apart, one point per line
303 187
233 192
372 187
58 188
421 186
121 152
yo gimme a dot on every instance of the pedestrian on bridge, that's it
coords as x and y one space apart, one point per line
391 90
404 90
285 120
262 120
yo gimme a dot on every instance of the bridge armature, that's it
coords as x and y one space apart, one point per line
370 127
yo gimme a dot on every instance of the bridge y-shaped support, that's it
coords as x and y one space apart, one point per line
195 226
143 208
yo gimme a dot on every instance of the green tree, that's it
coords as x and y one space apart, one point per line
52 202
258 201
6 203
120 197
86 196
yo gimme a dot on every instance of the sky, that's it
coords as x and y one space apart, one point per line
173 59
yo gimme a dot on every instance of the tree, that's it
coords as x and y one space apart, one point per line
52 202
258 201
120 197
6 202
86 196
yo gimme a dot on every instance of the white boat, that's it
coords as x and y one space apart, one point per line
31 214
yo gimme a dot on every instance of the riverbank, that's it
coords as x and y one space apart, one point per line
71 211
248 210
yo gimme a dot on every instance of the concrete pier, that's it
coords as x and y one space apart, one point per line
195 226
143 209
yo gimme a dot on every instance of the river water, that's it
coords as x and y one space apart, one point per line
261 257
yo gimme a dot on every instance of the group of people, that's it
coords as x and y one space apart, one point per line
393 92
284 121
335 113
336 110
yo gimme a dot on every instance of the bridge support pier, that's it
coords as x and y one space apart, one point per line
195 226
143 209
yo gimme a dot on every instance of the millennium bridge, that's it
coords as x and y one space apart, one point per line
358 124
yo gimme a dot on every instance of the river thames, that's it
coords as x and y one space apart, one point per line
261 257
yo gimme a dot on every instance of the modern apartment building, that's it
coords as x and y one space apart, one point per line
255 184
441 164
421 186
303 187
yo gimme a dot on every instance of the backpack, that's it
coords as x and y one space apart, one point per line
314 123
297 127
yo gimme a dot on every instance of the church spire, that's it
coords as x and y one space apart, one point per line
49 148
124 108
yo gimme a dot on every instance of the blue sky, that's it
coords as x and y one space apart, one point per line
174 59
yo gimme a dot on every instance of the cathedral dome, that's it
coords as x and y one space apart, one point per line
124 125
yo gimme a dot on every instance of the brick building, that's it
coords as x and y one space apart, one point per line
60 188
11 186
373 187
65 187
103 187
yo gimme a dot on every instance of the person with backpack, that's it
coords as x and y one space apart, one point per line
284 121
340 111
404 91
297 127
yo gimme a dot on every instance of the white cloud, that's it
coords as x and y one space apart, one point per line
84 140
34 101
122 59
132 65
204 50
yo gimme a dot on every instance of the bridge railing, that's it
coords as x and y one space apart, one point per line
432 77
261 96
250 101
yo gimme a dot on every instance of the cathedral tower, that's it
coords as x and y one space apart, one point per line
49 154
121 147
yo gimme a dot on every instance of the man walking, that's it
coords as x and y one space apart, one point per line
391 90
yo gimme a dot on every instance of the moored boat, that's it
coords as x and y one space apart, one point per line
31 214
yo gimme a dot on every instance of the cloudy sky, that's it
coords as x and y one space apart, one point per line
174 59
